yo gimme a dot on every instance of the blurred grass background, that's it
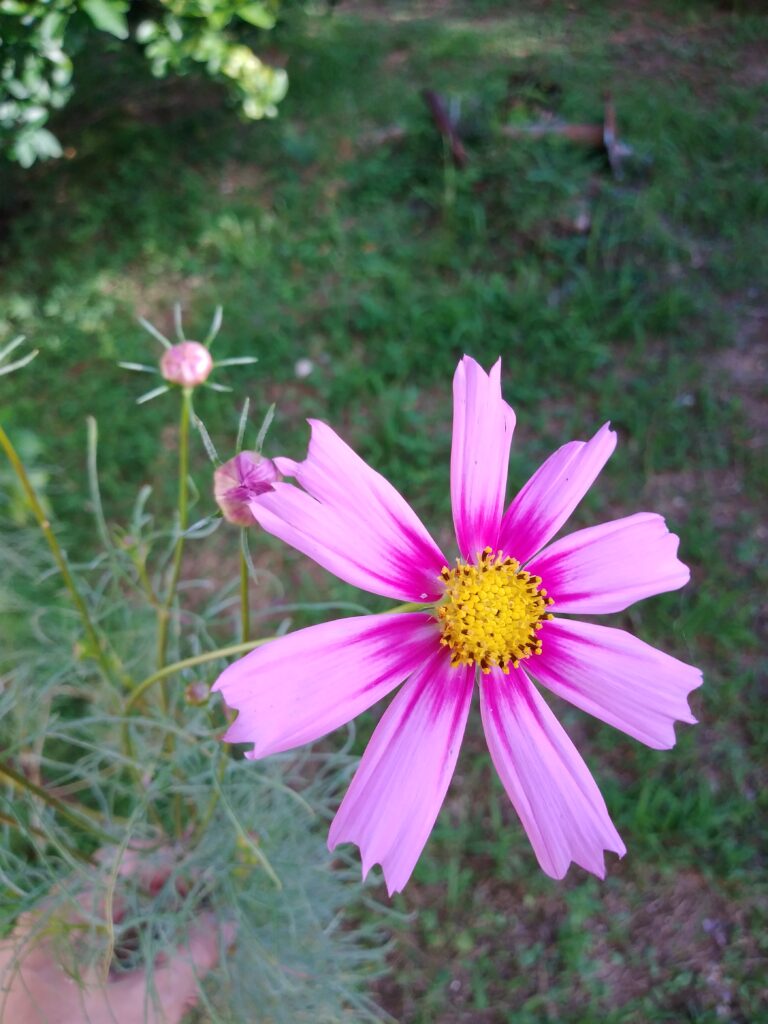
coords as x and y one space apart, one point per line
341 234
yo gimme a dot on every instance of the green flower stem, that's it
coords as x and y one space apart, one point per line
107 660
245 840
79 815
149 590
413 606
198 659
225 752
165 609
245 610
164 612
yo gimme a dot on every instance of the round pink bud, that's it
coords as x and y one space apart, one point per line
187 364
197 694
239 481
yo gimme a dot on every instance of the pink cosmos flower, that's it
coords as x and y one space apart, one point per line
492 618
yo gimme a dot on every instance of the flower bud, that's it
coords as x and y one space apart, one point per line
239 481
197 694
187 364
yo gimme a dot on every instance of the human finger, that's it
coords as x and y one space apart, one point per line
176 982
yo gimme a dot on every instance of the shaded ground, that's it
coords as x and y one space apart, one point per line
341 235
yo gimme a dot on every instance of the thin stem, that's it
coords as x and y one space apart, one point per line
245 840
245 610
413 606
149 590
76 813
213 800
198 659
96 643
449 178
164 612
5 819
245 616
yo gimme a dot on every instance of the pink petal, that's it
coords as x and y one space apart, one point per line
618 678
552 493
482 435
301 686
352 521
606 568
551 788
397 791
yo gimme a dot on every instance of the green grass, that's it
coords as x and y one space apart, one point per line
382 264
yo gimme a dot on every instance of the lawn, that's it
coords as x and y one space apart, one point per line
358 263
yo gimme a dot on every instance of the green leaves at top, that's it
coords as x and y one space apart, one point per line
108 15
259 14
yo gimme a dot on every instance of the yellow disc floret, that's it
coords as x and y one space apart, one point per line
491 612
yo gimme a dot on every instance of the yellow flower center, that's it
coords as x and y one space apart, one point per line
492 612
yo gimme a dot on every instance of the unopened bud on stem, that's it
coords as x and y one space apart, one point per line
240 480
187 364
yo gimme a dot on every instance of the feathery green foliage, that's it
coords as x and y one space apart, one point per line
97 771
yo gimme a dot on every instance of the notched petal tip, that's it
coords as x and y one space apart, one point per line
395 796
367 865
235 732
596 866
618 678
469 362
552 790
606 428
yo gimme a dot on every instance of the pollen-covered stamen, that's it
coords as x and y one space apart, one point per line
492 612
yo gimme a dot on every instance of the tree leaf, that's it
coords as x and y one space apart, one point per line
108 15
258 15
